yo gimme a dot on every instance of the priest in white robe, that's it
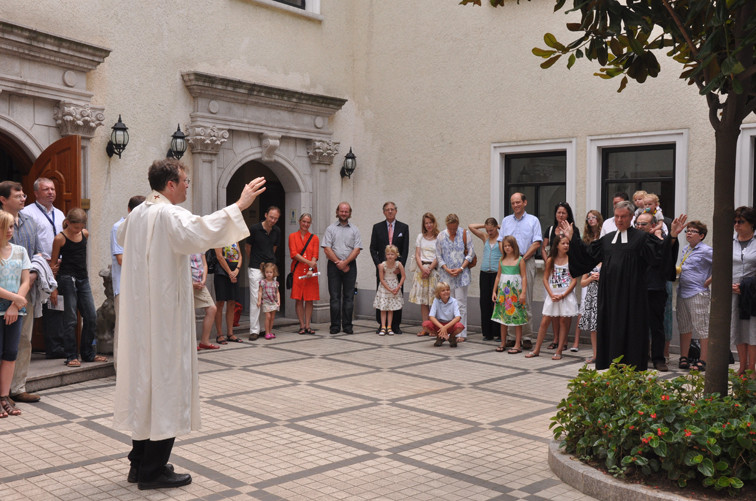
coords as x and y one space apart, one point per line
156 397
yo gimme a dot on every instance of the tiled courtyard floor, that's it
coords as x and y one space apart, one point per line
330 417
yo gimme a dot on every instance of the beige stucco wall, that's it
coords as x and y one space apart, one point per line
431 85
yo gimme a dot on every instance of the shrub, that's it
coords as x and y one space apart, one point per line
633 422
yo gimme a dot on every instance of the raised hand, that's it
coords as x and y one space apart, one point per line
250 192
678 224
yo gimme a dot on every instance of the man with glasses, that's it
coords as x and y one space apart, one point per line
657 276
25 234
626 255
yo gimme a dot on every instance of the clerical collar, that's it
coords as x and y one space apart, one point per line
623 239
158 198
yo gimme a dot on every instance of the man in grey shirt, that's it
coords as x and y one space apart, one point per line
342 245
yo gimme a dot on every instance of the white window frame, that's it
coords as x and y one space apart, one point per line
311 10
594 152
499 151
744 161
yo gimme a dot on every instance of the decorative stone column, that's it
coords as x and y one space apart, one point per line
83 120
321 154
205 142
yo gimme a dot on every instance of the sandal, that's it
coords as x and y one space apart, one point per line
234 339
698 365
423 333
514 351
302 331
221 340
99 358
684 363
532 354
591 360
9 407
553 346
72 363
556 356
500 348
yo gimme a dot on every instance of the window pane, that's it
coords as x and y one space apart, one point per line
536 168
548 197
649 168
294 3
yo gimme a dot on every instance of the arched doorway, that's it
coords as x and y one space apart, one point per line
274 195
14 162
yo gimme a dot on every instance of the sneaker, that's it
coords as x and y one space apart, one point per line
439 341
270 335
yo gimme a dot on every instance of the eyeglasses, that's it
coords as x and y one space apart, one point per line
20 196
692 232
639 225
740 221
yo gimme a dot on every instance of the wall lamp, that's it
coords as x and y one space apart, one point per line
178 144
350 163
119 138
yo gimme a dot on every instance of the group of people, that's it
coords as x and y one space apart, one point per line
623 264
43 274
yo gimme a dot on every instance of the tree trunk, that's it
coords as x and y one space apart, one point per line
721 286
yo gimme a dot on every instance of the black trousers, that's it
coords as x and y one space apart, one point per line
53 332
490 328
657 300
341 292
150 456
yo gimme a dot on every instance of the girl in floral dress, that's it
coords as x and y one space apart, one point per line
509 293
387 297
560 300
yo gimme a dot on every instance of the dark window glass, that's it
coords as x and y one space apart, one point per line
629 169
300 4
541 178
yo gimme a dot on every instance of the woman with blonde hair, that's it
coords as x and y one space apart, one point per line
426 268
455 254
14 284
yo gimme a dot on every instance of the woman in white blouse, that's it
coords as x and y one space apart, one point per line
426 272
455 253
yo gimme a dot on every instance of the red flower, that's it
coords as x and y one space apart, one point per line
653 415
640 412
659 432
632 427
665 397
688 433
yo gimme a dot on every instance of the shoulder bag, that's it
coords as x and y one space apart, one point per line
290 276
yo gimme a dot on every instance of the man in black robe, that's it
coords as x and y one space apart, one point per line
622 305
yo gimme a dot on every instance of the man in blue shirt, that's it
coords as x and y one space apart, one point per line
527 231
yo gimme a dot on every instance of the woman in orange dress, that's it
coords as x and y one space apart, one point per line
305 290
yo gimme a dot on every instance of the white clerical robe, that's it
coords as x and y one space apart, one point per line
157 394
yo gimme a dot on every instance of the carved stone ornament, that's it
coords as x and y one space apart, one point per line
206 139
78 119
322 152
270 143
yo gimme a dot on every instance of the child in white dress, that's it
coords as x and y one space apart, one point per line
388 297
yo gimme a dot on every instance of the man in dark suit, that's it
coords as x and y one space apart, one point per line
389 232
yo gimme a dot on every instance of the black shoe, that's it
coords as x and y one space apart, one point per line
348 331
453 341
526 345
334 331
167 479
439 341
398 331
134 474
487 339
510 343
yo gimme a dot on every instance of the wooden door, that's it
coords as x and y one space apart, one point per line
61 163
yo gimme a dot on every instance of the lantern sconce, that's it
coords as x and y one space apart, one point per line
178 144
119 138
350 163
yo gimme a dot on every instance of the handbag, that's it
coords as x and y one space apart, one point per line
212 261
290 276
475 258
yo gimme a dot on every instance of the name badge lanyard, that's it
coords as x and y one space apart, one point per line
43 211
